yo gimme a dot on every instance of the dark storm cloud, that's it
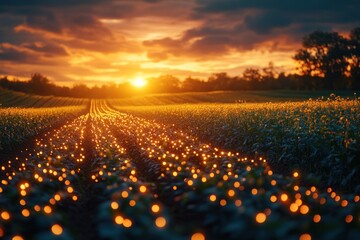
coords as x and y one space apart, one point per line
44 20
11 54
270 15
48 50
246 24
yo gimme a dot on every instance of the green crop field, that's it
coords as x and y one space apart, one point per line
228 97
218 165
16 99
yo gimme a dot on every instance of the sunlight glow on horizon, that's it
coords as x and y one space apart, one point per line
139 82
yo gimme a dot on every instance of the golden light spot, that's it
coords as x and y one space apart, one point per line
344 203
236 184
198 236
124 194
349 218
296 174
56 229
190 182
284 197
127 223
155 208
74 198
212 197
273 182
304 209
231 193
22 202
47 209
273 198
57 197
238 203
316 218
142 188
254 191
270 172
223 202
119 220
294 207
298 202
70 190
160 222
25 213
260 217
305 236
37 208
174 174
17 237
132 203
5 215
114 205
52 201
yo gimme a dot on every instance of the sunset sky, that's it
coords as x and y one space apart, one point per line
101 41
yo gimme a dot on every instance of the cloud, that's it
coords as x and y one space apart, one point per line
263 16
48 49
10 53
86 37
157 56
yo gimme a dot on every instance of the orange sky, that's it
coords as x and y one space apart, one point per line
96 42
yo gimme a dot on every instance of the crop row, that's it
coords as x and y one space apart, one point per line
36 186
20 124
319 137
16 99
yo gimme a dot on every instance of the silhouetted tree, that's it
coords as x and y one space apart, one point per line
253 77
355 57
193 84
220 81
164 83
324 54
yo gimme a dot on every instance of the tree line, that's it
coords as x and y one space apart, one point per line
327 61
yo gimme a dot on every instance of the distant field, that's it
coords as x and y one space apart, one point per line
23 116
17 99
228 97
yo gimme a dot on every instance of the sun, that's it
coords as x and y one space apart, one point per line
139 82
